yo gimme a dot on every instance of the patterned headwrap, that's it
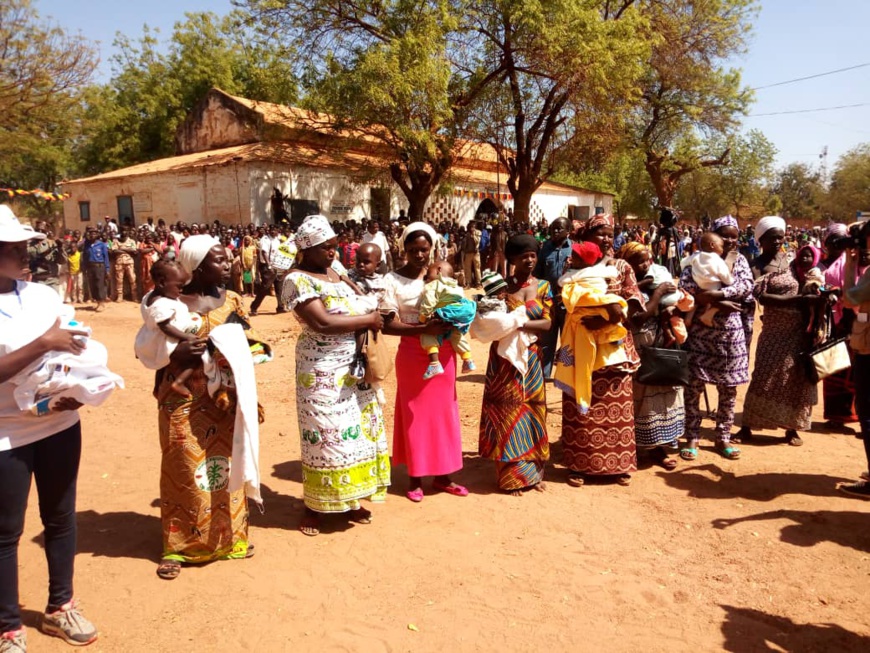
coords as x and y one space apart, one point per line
725 221
631 249
600 220
767 223
194 249
314 230
520 244
837 230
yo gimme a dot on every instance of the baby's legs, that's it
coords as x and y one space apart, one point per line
430 345
178 384
460 344
708 315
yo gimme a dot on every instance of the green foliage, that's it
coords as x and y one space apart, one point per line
41 70
850 184
800 191
135 116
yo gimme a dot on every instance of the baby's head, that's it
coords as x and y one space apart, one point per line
585 254
441 269
368 258
493 284
805 258
169 278
712 243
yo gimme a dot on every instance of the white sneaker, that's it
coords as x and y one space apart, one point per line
14 641
70 625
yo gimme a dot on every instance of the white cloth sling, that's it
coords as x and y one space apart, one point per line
513 344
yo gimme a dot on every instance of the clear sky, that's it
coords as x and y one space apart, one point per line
792 38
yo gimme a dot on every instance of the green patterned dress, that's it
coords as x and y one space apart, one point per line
345 456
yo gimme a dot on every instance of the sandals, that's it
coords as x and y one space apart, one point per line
689 453
250 552
793 439
452 488
310 526
361 516
415 495
661 457
624 480
169 569
576 480
727 451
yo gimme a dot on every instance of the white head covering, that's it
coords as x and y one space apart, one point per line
313 231
12 231
194 250
767 223
419 226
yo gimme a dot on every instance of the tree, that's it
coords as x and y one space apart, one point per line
379 70
42 69
134 117
850 184
800 191
564 74
688 92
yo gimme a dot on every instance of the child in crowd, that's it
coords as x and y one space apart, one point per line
586 297
495 287
650 276
366 281
167 321
74 285
812 281
710 271
443 298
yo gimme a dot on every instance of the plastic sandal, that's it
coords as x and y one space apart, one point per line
727 451
415 495
689 453
453 488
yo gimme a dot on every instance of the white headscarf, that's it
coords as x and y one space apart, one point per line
767 223
313 231
194 249
419 226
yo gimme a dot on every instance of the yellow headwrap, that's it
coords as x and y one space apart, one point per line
631 249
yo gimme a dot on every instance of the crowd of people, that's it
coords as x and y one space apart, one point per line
581 302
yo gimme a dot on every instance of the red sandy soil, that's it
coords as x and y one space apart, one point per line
759 554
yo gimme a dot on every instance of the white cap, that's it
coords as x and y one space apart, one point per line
12 231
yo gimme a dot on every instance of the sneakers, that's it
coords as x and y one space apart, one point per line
468 365
861 489
14 641
434 369
70 625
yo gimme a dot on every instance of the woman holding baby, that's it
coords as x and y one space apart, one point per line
600 441
781 394
513 420
718 348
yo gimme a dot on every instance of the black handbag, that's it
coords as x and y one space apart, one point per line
663 365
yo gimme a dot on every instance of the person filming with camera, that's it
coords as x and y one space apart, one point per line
857 297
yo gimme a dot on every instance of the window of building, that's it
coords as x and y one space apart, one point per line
84 211
125 210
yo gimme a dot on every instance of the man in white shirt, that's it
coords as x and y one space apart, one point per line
376 236
268 275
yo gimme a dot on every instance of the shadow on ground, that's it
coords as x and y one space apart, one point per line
747 631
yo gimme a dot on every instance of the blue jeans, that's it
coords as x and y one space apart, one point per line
54 462
861 377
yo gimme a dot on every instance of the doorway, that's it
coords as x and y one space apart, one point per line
125 211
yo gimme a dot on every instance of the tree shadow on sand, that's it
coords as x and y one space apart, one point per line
747 631
696 481
846 528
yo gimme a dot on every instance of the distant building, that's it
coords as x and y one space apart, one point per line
233 153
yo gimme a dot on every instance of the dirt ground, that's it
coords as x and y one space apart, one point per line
760 554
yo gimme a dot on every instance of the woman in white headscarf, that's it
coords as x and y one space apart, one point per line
201 519
345 456
770 233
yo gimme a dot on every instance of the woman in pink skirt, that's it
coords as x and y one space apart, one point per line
427 436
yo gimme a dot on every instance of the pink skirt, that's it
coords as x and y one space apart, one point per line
426 435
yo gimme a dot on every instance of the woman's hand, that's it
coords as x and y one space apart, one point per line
436 327
594 322
727 306
66 403
377 321
705 297
65 340
664 289
188 353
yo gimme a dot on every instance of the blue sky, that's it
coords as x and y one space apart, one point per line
792 38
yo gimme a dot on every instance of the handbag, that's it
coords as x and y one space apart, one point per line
663 365
378 360
829 357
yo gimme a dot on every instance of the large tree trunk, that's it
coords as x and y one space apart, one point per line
522 204
417 187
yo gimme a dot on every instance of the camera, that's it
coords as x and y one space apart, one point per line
856 238
667 216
